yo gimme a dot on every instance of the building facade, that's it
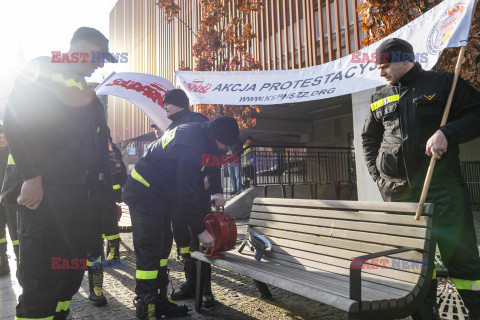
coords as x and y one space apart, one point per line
290 34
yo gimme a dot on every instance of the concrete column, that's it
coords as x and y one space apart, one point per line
367 188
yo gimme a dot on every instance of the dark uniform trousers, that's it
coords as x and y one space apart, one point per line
185 237
455 234
52 244
110 218
95 230
8 218
152 235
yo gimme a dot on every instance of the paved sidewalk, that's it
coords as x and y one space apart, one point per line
237 296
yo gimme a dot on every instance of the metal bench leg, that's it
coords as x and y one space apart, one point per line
199 287
264 291
421 313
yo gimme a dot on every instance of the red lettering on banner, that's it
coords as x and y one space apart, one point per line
455 9
153 91
197 86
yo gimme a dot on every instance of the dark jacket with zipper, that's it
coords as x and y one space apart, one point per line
403 116
171 170
49 129
212 172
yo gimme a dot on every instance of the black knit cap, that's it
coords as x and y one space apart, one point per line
177 97
96 38
225 130
395 50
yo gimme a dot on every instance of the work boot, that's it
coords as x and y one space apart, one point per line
4 267
146 306
113 249
166 307
186 289
471 299
95 282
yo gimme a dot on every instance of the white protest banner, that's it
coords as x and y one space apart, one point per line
445 25
145 91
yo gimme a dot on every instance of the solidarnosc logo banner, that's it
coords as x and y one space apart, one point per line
145 91
445 25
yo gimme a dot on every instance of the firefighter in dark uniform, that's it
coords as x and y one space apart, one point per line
51 127
248 163
402 131
8 212
112 211
177 108
170 174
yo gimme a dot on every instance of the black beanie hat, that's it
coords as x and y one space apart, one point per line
225 130
177 97
395 50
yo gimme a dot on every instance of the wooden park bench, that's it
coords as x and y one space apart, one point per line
370 259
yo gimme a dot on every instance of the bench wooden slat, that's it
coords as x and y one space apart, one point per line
370 227
400 207
329 298
335 243
343 234
388 273
313 275
344 215
299 262
348 255
320 281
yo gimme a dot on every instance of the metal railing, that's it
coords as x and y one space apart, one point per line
314 166
471 175
289 166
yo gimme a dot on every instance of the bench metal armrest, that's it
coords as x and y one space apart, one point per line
356 270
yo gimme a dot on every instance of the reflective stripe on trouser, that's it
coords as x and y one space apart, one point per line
461 284
113 237
152 238
56 229
43 318
63 306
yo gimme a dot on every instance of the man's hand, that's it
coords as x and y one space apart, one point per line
31 194
436 145
206 239
206 185
219 200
